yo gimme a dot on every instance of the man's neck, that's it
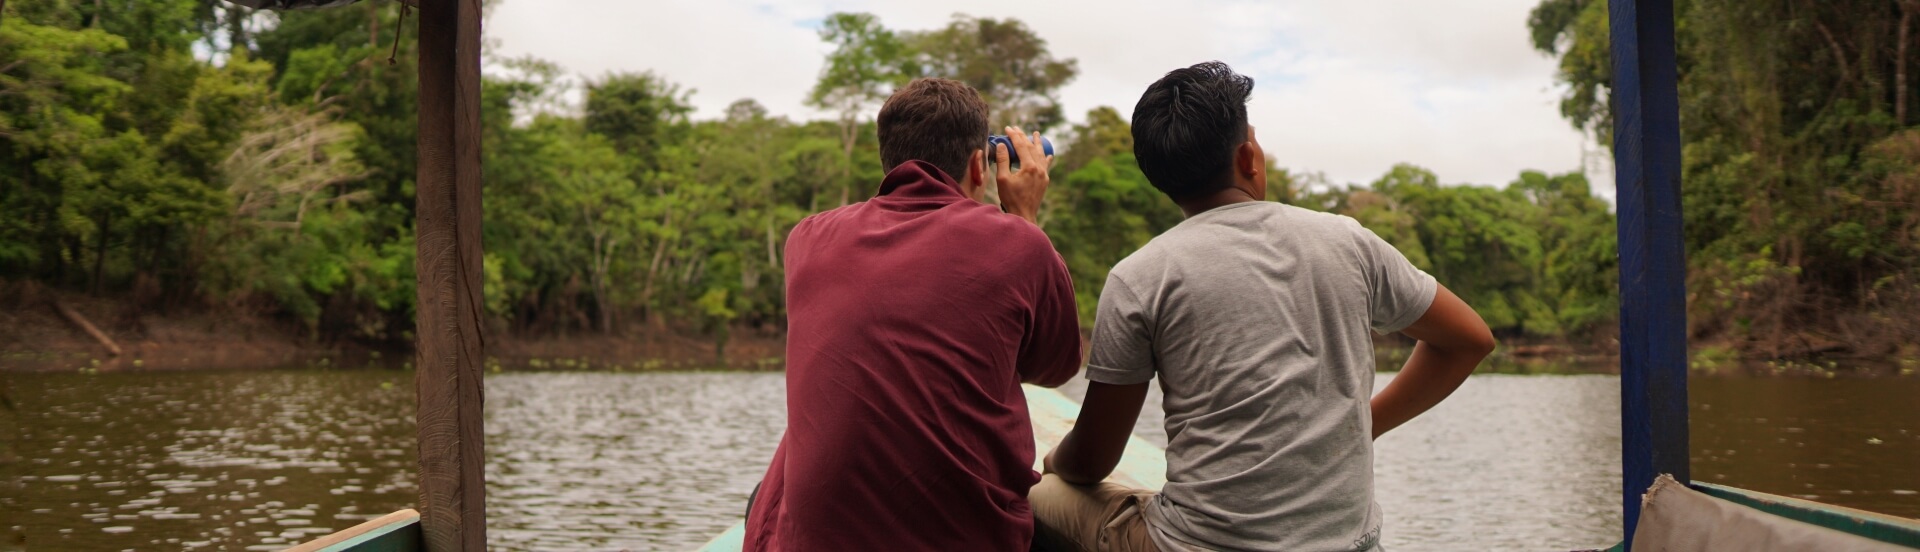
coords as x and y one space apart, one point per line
1219 199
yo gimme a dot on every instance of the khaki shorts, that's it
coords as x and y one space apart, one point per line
1108 517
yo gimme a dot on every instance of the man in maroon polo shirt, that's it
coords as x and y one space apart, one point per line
912 319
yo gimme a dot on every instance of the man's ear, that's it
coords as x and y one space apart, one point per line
1248 165
974 184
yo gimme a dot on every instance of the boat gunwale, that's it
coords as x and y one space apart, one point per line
397 531
1873 525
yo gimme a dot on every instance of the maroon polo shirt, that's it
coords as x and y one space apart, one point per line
912 319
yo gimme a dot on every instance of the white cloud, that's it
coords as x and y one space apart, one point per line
1346 88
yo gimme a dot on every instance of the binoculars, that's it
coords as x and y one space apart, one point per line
1013 154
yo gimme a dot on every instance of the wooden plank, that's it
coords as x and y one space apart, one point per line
1876 526
448 272
395 532
1653 316
1143 465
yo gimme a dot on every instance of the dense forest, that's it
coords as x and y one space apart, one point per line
192 155
1801 177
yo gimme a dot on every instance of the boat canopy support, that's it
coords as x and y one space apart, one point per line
1653 271
448 270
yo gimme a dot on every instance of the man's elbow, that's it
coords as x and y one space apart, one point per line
1481 344
1471 337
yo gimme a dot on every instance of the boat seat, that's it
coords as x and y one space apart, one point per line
1676 518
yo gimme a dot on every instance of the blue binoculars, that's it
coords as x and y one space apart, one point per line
1013 154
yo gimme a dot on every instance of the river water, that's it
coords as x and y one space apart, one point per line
257 460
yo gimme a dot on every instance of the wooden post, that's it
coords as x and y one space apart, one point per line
1653 271
447 232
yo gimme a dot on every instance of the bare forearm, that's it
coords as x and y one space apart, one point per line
1428 377
1077 468
1098 439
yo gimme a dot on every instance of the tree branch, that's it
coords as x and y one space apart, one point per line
1839 56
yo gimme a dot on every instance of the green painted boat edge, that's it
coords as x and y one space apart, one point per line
732 540
399 536
1880 527
1142 465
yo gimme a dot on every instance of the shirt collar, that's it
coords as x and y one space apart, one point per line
919 180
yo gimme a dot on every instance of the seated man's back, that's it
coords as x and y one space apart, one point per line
912 320
1260 315
1257 319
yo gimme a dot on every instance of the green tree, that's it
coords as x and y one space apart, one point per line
1101 207
638 112
1006 61
867 61
1798 228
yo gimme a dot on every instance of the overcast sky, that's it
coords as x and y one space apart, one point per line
1343 88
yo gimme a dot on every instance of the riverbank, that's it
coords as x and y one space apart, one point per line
35 336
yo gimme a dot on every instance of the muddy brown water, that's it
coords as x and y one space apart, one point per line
256 460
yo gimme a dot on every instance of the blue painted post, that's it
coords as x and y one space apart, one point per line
1653 312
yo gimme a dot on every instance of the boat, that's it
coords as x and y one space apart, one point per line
1653 339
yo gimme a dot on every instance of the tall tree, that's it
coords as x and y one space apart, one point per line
638 112
1794 114
1006 61
867 61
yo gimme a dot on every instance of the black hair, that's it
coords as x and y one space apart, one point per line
1187 126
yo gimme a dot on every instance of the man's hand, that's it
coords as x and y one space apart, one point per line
1021 192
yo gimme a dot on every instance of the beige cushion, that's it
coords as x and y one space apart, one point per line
1675 518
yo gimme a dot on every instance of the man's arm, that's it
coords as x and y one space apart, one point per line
1051 353
1093 447
1452 341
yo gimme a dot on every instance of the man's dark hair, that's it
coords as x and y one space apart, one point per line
1186 127
939 121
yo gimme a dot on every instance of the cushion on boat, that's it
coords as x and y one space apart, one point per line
1675 518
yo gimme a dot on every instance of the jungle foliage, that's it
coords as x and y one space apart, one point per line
190 154
1801 176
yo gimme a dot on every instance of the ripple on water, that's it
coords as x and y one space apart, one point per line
1506 463
169 461
653 461
262 460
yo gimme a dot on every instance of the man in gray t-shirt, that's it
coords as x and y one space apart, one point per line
1255 316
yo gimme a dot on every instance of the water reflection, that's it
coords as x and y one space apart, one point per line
1507 463
259 460
1848 442
648 462
222 461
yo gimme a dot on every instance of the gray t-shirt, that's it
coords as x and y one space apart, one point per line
1255 316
